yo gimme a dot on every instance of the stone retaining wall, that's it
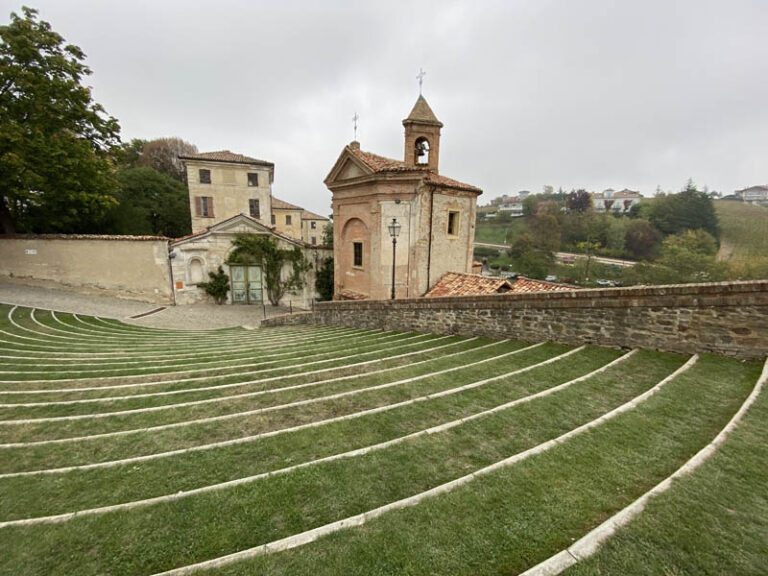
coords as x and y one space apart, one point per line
729 318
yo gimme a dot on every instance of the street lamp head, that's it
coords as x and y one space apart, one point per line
394 228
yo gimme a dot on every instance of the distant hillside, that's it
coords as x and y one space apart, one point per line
744 231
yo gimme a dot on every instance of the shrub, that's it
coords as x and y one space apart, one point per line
218 287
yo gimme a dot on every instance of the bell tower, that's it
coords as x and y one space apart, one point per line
422 137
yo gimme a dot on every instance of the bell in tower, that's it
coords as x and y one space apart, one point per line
422 137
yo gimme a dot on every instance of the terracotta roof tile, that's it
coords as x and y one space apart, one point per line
383 164
283 205
350 295
225 156
307 215
523 284
458 284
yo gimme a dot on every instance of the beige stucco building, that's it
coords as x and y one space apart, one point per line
436 214
230 194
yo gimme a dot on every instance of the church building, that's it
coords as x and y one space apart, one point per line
431 216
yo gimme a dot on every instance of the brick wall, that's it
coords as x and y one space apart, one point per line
729 318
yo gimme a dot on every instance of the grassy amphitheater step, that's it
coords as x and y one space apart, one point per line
306 450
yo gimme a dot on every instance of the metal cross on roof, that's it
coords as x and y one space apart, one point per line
420 76
355 118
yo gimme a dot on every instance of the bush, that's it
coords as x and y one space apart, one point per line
324 280
218 287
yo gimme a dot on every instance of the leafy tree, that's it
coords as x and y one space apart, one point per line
218 287
328 234
579 201
528 259
265 251
150 203
55 141
687 210
129 153
324 280
686 257
162 154
641 239
530 205
546 228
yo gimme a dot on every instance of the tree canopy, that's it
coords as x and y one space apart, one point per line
56 143
149 203
686 210
162 154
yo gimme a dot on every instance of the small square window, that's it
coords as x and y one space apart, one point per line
205 176
273 219
253 179
253 206
453 223
357 248
287 219
313 224
314 240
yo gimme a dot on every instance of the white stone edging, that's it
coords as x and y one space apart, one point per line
256 437
358 520
352 453
588 544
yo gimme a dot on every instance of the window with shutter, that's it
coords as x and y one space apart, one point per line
253 205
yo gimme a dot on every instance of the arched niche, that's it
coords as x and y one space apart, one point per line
195 270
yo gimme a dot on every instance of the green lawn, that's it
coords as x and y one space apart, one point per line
128 450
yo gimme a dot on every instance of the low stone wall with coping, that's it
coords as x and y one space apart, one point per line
728 318
133 267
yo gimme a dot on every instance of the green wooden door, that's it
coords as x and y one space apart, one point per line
255 293
239 285
247 284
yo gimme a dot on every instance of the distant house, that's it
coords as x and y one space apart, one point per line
617 202
753 194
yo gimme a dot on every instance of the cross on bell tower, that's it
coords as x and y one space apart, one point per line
420 77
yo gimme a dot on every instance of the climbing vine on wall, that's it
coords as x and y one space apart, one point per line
264 251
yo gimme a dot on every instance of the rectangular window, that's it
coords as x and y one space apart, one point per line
253 179
205 176
313 224
453 223
314 240
204 206
287 219
358 254
253 206
273 219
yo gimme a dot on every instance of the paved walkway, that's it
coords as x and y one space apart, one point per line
194 317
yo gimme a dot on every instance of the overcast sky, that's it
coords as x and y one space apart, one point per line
588 93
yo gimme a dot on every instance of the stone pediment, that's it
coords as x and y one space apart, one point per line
235 225
347 167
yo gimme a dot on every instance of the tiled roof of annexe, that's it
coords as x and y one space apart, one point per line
458 284
383 164
225 156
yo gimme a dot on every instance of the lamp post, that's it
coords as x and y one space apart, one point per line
394 231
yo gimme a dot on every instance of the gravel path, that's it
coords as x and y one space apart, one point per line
194 317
